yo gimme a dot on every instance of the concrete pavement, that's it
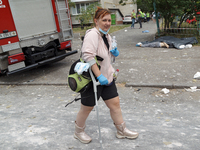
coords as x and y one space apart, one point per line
35 118
33 113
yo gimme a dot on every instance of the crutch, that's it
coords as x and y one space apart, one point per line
95 84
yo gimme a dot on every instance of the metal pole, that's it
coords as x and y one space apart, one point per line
198 24
95 84
158 28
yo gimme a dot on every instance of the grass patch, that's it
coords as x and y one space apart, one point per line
113 28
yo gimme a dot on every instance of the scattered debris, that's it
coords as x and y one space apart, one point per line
120 84
197 75
192 89
167 143
165 90
9 106
132 70
138 89
30 80
145 31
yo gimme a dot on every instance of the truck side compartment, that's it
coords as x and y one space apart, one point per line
32 35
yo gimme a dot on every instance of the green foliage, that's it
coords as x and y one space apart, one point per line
86 16
145 5
169 8
71 4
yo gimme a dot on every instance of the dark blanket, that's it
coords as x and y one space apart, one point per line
174 42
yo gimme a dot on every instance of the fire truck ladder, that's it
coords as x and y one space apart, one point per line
65 19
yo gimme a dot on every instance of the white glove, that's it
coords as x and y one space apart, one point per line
80 67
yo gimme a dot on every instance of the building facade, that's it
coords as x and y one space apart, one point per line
113 5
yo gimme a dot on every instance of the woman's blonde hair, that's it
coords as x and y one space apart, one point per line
100 13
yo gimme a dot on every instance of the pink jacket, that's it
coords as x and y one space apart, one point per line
94 45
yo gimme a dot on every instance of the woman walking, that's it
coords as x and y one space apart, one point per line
97 42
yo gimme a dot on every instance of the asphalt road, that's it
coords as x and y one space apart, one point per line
157 67
33 113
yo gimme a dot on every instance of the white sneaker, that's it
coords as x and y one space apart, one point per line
182 46
188 46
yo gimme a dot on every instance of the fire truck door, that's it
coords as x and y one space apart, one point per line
7 27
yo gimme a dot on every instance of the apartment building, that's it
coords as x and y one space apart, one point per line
117 10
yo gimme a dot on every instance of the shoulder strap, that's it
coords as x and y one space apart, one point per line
96 57
83 41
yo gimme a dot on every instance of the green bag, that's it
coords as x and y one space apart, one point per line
80 83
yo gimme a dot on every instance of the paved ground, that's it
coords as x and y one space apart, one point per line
33 116
138 66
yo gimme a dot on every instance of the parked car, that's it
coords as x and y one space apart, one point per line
127 19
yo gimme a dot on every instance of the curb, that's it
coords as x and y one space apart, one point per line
169 86
28 83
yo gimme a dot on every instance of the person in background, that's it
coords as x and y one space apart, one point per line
140 17
97 42
154 16
133 16
153 44
148 16
143 16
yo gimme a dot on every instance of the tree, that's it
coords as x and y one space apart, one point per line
169 8
86 16
190 8
71 4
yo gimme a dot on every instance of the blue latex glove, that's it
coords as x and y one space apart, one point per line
115 52
102 80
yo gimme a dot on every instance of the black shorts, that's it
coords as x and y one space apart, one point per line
103 91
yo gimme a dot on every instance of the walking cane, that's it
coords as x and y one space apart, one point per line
95 84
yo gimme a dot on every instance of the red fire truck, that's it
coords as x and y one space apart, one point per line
33 33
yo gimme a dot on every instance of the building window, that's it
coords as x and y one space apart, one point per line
73 10
83 6
77 9
87 4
